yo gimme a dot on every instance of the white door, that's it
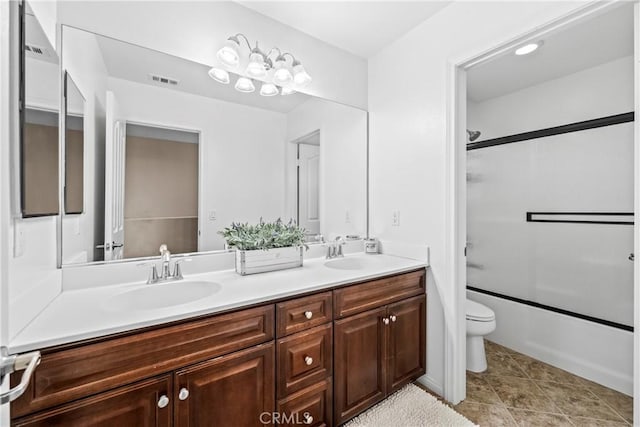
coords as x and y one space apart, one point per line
114 181
309 188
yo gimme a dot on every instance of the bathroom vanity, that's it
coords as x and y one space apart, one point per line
315 357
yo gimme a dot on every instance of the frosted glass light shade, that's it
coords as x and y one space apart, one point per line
244 85
282 75
268 89
287 91
300 76
219 75
229 54
256 66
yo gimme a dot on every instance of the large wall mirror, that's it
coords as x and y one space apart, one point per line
172 156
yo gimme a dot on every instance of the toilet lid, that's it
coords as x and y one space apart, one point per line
479 312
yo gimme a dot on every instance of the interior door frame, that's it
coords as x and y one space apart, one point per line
456 209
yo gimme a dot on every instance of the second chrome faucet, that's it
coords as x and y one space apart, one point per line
334 248
165 273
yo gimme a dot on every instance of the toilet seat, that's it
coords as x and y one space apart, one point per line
478 312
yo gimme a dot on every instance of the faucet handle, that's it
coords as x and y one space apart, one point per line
177 271
153 274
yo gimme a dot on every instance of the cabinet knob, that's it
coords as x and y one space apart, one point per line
308 419
393 317
308 360
163 401
183 394
308 314
385 320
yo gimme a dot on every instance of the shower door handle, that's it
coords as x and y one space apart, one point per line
631 256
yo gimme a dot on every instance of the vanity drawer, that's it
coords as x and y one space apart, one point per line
303 313
365 296
311 406
71 373
304 358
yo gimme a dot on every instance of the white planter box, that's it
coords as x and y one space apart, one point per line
259 261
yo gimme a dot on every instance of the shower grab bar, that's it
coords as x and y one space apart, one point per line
564 217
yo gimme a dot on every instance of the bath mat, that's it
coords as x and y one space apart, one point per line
410 407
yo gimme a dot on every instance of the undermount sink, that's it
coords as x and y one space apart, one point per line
346 264
161 295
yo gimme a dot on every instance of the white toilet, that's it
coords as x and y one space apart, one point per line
481 320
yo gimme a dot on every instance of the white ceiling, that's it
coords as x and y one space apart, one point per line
587 44
135 63
362 28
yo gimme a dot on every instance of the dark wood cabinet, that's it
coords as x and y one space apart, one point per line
144 404
407 342
360 348
237 389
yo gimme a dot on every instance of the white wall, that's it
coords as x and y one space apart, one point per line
408 124
599 91
343 164
243 160
195 30
582 268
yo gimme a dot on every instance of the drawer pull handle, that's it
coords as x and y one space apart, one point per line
163 401
308 419
184 393
308 360
393 317
385 320
308 314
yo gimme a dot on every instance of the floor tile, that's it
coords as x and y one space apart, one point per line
479 391
537 370
621 403
503 364
521 393
485 415
527 418
590 422
578 401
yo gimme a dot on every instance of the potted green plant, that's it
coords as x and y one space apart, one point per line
266 246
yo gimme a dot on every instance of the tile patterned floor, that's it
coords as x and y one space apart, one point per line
517 390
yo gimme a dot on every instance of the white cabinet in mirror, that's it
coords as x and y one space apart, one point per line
172 156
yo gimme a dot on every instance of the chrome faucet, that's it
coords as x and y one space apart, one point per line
334 249
165 272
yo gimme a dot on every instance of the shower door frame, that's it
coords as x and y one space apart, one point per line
456 209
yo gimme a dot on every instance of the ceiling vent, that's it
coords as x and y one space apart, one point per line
163 80
37 50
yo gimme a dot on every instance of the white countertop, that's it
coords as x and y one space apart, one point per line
82 314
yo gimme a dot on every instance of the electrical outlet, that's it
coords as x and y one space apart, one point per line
212 216
347 217
395 219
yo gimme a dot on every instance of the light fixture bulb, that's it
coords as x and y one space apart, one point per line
528 48
287 91
268 89
256 66
282 75
219 75
229 54
300 76
244 85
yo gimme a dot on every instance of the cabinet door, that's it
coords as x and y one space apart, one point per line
311 406
359 362
235 389
144 404
407 336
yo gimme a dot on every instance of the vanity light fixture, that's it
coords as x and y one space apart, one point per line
528 48
259 66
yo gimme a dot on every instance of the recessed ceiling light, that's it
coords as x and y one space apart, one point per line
528 48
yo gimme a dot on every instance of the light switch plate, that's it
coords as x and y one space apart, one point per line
395 219
212 216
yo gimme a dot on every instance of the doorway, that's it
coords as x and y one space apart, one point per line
459 138
308 183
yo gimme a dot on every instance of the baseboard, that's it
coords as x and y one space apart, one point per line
600 353
431 384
